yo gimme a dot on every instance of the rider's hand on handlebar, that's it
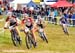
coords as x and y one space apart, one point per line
5 27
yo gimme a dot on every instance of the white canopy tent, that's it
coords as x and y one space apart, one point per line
48 2
21 1
15 2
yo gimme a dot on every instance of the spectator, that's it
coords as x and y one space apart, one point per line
42 13
55 15
73 19
69 17
49 15
0 11
35 15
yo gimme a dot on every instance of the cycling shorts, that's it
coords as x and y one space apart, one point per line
40 25
14 23
30 27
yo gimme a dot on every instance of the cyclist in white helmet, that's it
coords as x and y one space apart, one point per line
11 20
29 23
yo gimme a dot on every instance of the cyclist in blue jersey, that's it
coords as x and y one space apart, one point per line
63 23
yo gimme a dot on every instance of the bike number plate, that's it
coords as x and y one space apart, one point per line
26 30
41 30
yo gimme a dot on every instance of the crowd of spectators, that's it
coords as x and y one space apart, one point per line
47 13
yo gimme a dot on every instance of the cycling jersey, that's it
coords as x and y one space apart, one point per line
12 20
39 23
30 27
63 20
28 22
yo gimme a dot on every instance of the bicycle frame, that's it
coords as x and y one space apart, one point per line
15 37
29 39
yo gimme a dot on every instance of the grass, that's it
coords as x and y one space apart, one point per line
58 41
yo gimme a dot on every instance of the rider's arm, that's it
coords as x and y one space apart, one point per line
22 24
6 23
34 23
18 21
60 21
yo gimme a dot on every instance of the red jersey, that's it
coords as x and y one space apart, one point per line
27 21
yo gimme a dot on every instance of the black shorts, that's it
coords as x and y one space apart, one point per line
30 27
13 24
40 25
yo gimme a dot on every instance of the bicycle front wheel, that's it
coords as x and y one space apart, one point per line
28 42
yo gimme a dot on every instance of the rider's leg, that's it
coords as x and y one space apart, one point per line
33 30
18 32
65 29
